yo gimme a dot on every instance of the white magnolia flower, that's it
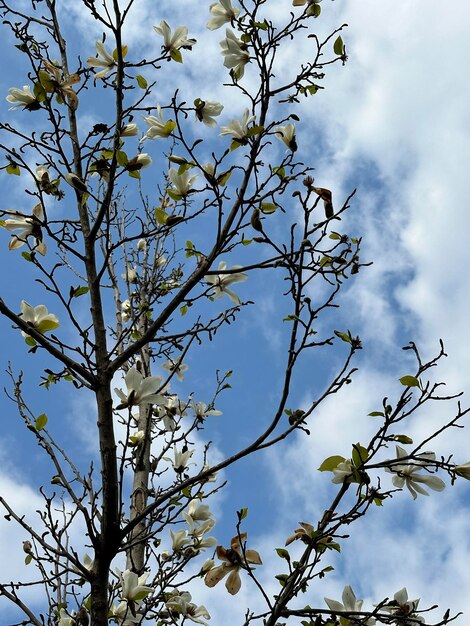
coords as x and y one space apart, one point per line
176 40
182 183
29 226
407 474
223 12
179 539
141 390
129 130
350 603
463 470
65 619
133 586
22 98
197 512
181 603
342 472
401 606
233 560
238 129
200 541
206 111
158 126
287 135
136 438
139 162
201 410
123 614
38 317
142 245
207 565
221 282
126 310
130 275
181 459
236 54
176 367
104 60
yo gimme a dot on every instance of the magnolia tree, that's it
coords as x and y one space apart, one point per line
159 224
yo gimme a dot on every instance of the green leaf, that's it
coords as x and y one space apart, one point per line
190 249
27 256
261 25
174 195
135 174
282 578
246 242
315 10
184 309
141 81
39 92
14 169
30 341
121 158
376 414
344 336
268 207
283 553
41 421
234 145
409 381
46 325
338 46
403 439
331 463
254 130
161 216
28 558
124 51
335 236
176 56
242 513
245 38
359 454
80 291
222 180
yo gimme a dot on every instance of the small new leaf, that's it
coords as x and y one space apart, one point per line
409 381
141 81
338 46
41 421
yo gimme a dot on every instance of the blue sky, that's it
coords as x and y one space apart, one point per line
394 122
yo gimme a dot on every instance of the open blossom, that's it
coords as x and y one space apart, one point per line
182 183
350 603
287 135
103 60
157 125
179 539
130 276
197 512
236 54
22 98
125 615
38 317
403 608
407 474
233 560
221 282
206 111
181 459
176 367
201 411
176 40
181 603
133 586
238 129
60 84
29 226
141 390
222 12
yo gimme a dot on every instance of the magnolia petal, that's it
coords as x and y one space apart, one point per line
215 575
233 582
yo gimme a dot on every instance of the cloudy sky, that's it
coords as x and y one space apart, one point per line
394 123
